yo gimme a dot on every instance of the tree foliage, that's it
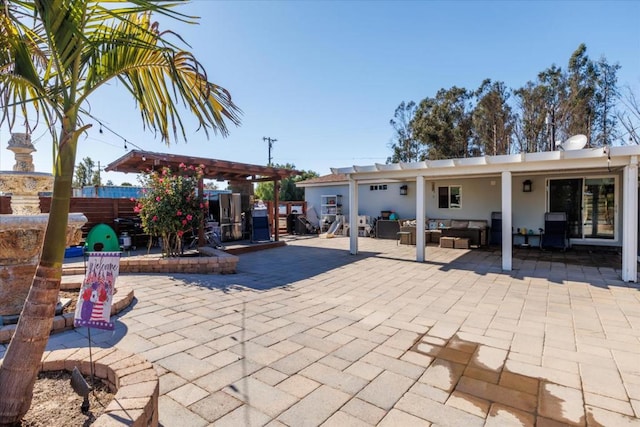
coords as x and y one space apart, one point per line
495 119
405 147
288 189
86 174
443 124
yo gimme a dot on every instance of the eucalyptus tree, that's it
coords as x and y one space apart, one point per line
493 119
553 85
54 55
531 130
581 88
405 147
592 95
606 96
443 124
542 111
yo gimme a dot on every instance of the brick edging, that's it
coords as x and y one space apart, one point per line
213 262
63 322
132 378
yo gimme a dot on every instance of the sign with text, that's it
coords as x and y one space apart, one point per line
93 309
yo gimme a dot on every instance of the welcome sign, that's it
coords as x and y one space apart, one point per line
93 309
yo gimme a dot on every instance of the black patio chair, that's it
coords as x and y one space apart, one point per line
556 231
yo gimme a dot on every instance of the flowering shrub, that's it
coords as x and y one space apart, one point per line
170 205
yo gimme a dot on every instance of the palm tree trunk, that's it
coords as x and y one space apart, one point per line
21 362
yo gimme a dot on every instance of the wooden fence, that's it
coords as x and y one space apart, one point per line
99 210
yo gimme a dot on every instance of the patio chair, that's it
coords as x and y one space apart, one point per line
555 234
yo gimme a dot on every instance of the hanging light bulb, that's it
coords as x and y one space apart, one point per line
125 144
100 128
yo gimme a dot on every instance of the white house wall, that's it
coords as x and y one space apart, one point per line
370 202
480 197
528 209
312 196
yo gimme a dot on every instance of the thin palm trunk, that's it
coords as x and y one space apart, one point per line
21 362
72 49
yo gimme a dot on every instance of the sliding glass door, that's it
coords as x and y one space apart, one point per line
599 208
589 203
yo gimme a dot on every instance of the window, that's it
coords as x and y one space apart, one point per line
450 197
377 187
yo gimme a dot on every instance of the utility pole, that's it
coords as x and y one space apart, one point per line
271 141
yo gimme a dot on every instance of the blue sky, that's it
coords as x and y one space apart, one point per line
324 77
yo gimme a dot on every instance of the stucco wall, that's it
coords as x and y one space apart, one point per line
371 202
480 197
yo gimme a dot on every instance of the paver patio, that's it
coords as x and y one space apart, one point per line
309 335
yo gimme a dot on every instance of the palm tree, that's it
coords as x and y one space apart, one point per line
54 54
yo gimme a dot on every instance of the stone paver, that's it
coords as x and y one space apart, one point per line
315 408
385 390
562 404
215 406
308 334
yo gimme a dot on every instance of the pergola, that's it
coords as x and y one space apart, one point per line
619 160
137 161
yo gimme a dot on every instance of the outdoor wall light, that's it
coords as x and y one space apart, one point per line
403 190
526 186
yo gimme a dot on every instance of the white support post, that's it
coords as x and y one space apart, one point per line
630 221
420 217
507 249
353 216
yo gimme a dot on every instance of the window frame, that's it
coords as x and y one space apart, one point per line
445 191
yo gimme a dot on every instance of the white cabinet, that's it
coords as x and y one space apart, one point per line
330 208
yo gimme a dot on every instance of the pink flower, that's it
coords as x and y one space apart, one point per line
189 217
136 209
179 213
180 233
184 222
182 165
201 205
155 218
132 199
158 199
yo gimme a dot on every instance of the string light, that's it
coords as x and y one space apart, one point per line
102 125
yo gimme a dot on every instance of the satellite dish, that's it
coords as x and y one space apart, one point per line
576 142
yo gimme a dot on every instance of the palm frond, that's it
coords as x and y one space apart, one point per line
159 78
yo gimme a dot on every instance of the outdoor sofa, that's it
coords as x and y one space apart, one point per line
476 230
